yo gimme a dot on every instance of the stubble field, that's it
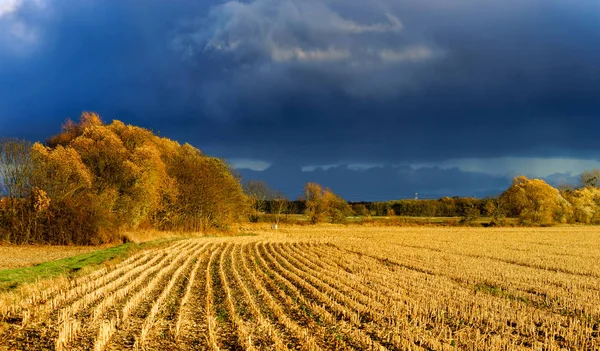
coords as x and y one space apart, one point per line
328 287
16 256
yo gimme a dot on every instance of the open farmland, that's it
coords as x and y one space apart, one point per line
329 287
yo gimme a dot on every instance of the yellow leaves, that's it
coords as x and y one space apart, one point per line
71 130
41 201
97 141
90 119
132 136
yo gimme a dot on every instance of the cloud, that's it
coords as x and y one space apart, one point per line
9 6
340 46
298 54
350 166
312 168
18 24
253 165
410 54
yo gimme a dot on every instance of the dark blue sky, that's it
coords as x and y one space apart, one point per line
377 99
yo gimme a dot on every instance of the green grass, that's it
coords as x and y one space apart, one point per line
499 292
12 278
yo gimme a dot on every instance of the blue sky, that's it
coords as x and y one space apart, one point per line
376 99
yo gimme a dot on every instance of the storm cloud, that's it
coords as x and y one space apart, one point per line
277 85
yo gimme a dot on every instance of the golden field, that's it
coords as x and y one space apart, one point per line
328 287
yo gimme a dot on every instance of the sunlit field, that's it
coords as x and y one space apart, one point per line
328 287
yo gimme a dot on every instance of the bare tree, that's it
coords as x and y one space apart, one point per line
591 178
258 192
279 205
15 168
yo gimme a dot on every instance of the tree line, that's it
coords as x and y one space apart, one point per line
92 180
529 201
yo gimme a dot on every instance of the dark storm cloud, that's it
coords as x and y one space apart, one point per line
314 82
113 57
393 81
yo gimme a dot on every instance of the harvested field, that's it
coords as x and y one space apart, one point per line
331 288
14 256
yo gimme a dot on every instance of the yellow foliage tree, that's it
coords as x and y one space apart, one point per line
585 204
535 202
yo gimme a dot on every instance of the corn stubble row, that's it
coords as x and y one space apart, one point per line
278 294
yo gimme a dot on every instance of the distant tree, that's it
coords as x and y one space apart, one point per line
279 205
490 207
314 200
591 178
258 193
470 211
337 209
322 203
360 210
585 204
534 202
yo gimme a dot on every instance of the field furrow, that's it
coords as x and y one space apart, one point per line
267 334
323 305
283 310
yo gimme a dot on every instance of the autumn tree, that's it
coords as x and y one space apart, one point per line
208 194
94 179
534 202
60 172
315 204
585 204
75 214
336 208
322 203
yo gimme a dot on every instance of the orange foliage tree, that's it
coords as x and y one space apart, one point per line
322 203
